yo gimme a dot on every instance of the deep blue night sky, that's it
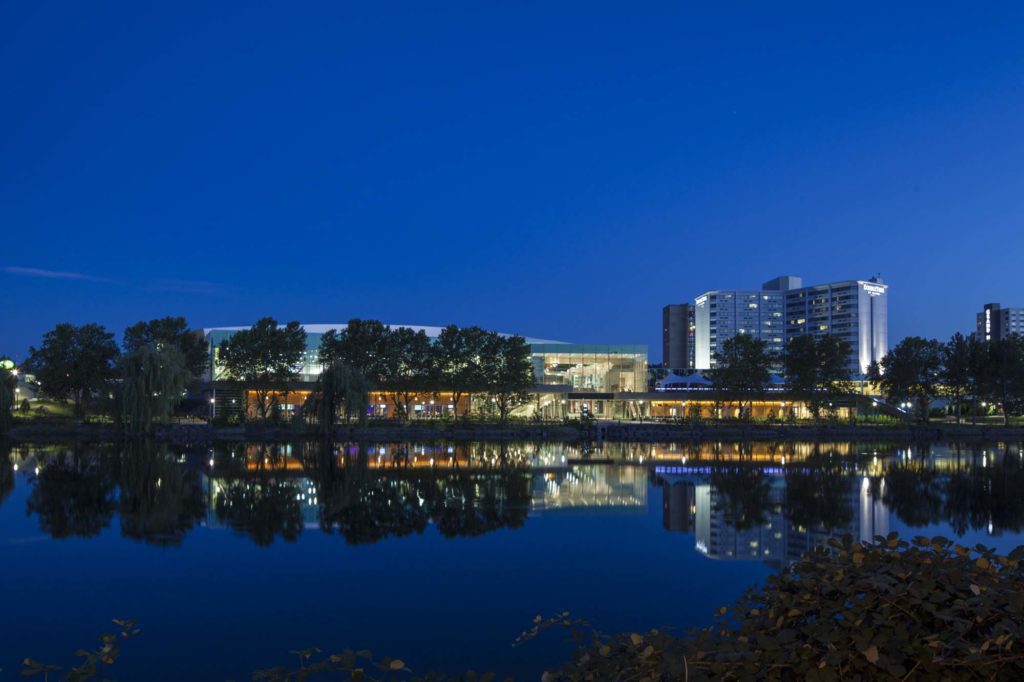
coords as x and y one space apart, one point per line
560 172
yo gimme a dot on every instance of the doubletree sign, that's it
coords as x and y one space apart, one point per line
7 364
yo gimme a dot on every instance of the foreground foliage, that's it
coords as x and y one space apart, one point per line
889 610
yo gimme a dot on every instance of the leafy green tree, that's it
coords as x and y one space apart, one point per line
170 331
507 372
958 375
339 388
153 381
910 372
264 358
817 369
74 363
742 368
1004 374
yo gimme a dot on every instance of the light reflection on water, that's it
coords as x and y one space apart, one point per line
499 531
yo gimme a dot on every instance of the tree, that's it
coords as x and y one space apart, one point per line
339 387
264 358
457 352
910 372
507 372
153 381
8 383
74 362
170 331
1004 374
406 367
362 345
817 369
742 368
959 380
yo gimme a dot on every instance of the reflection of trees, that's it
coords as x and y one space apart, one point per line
365 505
977 496
744 494
74 495
263 507
477 503
6 472
818 493
160 499
913 491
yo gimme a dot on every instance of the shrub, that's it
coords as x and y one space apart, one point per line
887 610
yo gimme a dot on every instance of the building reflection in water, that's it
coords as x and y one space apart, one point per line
741 501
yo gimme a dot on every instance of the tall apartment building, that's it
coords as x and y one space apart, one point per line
677 336
996 322
855 310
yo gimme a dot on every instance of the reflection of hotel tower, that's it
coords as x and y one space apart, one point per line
689 505
678 505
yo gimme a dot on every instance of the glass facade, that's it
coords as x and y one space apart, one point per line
591 368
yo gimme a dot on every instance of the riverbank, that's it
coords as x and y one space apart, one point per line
648 432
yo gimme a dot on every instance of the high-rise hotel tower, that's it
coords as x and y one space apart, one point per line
855 310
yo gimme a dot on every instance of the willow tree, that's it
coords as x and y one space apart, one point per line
339 388
153 382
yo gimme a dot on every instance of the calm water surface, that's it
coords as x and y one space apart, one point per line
436 553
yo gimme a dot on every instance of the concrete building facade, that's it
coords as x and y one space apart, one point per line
677 328
855 310
995 322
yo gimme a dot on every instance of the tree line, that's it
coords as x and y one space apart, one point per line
816 368
368 355
142 381
966 370
137 383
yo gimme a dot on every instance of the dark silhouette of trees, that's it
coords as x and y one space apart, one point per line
363 345
169 332
914 492
1003 374
160 500
911 372
262 508
817 369
960 366
8 384
74 495
742 368
457 355
153 381
265 357
507 372
818 493
74 363
6 472
339 389
743 494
